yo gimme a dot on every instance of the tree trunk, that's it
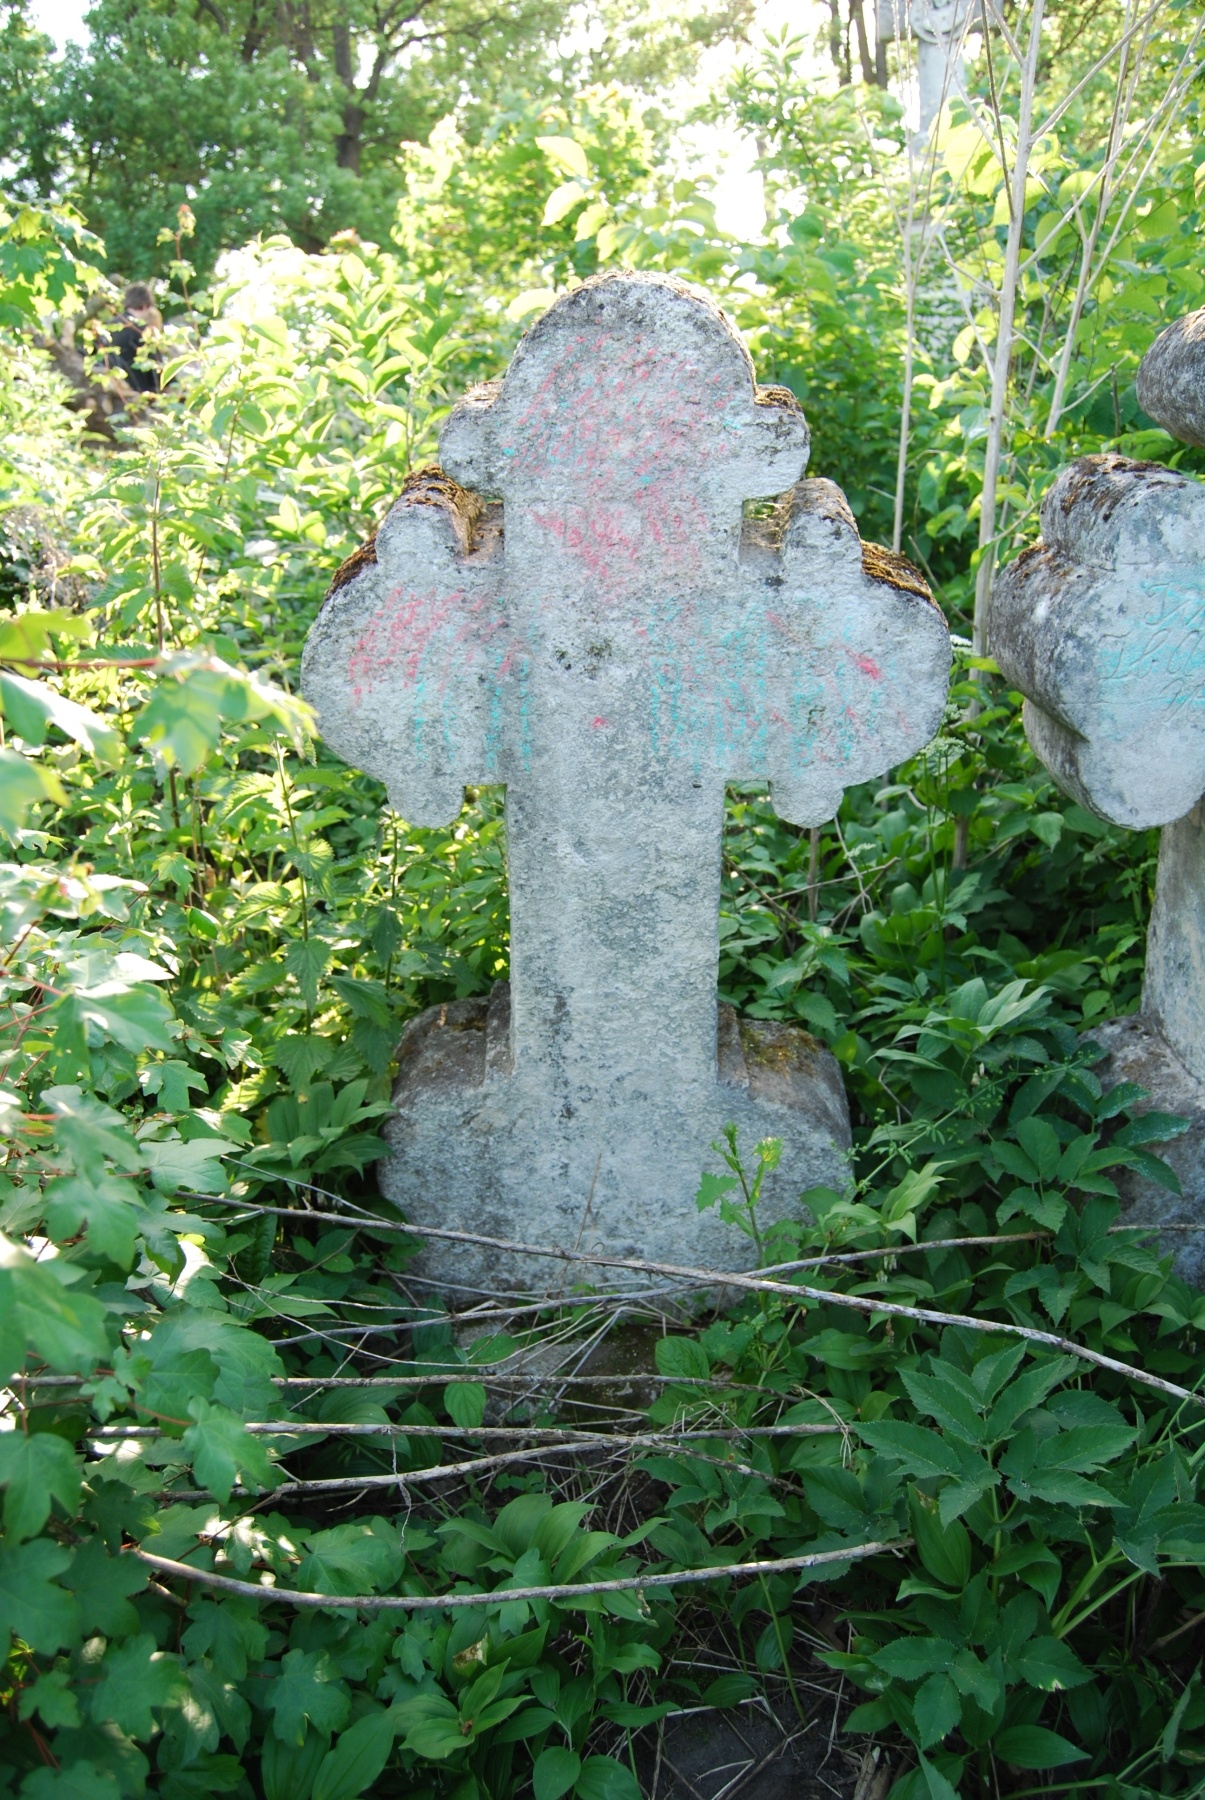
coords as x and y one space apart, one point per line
858 21
838 44
347 144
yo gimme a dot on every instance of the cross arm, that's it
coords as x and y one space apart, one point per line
1102 627
859 657
405 660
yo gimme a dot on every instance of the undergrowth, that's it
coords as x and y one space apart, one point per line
212 933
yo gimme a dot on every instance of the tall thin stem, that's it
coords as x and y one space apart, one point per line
1002 362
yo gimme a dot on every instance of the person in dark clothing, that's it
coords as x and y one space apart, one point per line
141 315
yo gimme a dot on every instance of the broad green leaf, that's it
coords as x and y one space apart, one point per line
556 1770
307 959
307 1688
465 1401
32 1604
936 1708
222 1452
67 1329
1034 1747
359 1755
73 1781
106 1206
135 1678
102 1585
562 200
36 1467
360 1557
944 1549
1049 1663
54 1698
23 782
566 152
920 1450
603 1778
713 1188
910 1658
288 1771
32 707
681 1356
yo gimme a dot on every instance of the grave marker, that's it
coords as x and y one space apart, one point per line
1102 626
609 640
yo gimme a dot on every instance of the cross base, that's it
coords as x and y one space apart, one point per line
480 1147
1139 1052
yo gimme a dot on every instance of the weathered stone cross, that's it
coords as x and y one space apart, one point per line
612 644
1102 627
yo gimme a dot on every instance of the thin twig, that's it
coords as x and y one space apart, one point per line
506 1596
757 1284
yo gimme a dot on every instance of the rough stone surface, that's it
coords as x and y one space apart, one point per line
1139 1052
1102 626
1171 379
573 606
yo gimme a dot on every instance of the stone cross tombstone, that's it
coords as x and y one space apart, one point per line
1102 626
574 607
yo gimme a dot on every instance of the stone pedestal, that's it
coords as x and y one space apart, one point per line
478 1146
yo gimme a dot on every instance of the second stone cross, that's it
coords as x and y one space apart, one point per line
574 606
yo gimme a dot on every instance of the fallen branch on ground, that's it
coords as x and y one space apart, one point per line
505 1596
756 1284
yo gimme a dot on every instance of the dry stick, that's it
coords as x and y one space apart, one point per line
756 1284
370 1221
542 1434
584 1441
505 1596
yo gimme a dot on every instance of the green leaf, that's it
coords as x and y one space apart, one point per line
90 1131
53 1697
730 1690
359 1755
562 201
23 782
102 1585
67 1329
361 1556
105 1205
1034 1747
32 707
1050 1664
306 959
920 1450
556 1769
604 1779
1040 1142
566 152
936 1784
223 1453
936 1709
135 1678
944 1549
681 1356
911 1658
712 1188
36 1467
465 1401
75 1781
288 1771
32 1605
307 1688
